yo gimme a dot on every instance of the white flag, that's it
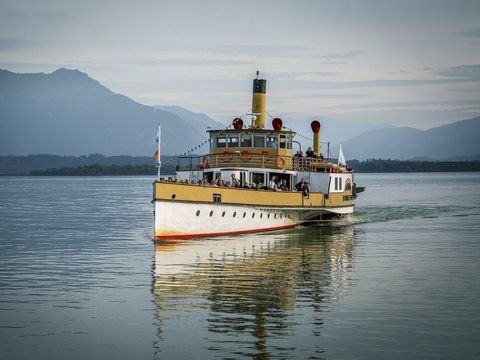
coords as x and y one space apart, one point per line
341 157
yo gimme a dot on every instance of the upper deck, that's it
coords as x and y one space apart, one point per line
255 146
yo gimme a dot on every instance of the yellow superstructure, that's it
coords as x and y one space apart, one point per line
180 192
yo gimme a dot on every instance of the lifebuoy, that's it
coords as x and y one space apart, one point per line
281 162
263 152
245 155
227 156
205 162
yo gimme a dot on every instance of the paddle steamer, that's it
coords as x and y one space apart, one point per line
251 181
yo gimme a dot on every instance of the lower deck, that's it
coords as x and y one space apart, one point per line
191 219
180 192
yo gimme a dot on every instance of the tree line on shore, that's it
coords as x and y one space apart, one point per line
380 165
367 166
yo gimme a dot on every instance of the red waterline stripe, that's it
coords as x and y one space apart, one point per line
186 236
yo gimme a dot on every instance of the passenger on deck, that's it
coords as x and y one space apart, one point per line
256 186
283 185
300 185
272 144
299 154
309 152
272 184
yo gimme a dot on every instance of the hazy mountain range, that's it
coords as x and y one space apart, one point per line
69 113
457 141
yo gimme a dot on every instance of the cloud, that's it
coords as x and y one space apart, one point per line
189 62
320 84
340 56
334 96
472 32
456 104
462 71
333 62
257 50
12 43
416 118
299 75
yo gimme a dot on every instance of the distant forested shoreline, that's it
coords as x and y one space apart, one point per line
86 165
100 165
392 166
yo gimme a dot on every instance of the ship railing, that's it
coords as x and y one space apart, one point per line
253 160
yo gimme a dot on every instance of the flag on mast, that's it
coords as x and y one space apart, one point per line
341 157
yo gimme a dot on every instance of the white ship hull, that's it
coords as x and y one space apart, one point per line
189 219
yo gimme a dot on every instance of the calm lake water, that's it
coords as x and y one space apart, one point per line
80 277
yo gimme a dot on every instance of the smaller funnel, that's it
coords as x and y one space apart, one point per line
316 137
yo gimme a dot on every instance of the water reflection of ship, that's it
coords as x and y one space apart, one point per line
253 284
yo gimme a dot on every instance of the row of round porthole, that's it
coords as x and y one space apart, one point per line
245 214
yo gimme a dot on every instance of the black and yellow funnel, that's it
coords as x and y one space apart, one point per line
258 102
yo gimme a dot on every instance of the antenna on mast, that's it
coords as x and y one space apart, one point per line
258 72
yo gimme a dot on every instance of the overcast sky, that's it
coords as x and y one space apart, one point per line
406 63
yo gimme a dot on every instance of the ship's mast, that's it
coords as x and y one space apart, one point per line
159 161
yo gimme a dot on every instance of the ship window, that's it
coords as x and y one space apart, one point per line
253 215
244 214
272 142
336 183
289 142
223 214
208 175
246 140
261 215
268 216
258 178
234 214
232 140
348 185
217 198
283 141
259 140
198 212
275 215
211 213
221 142
339 183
